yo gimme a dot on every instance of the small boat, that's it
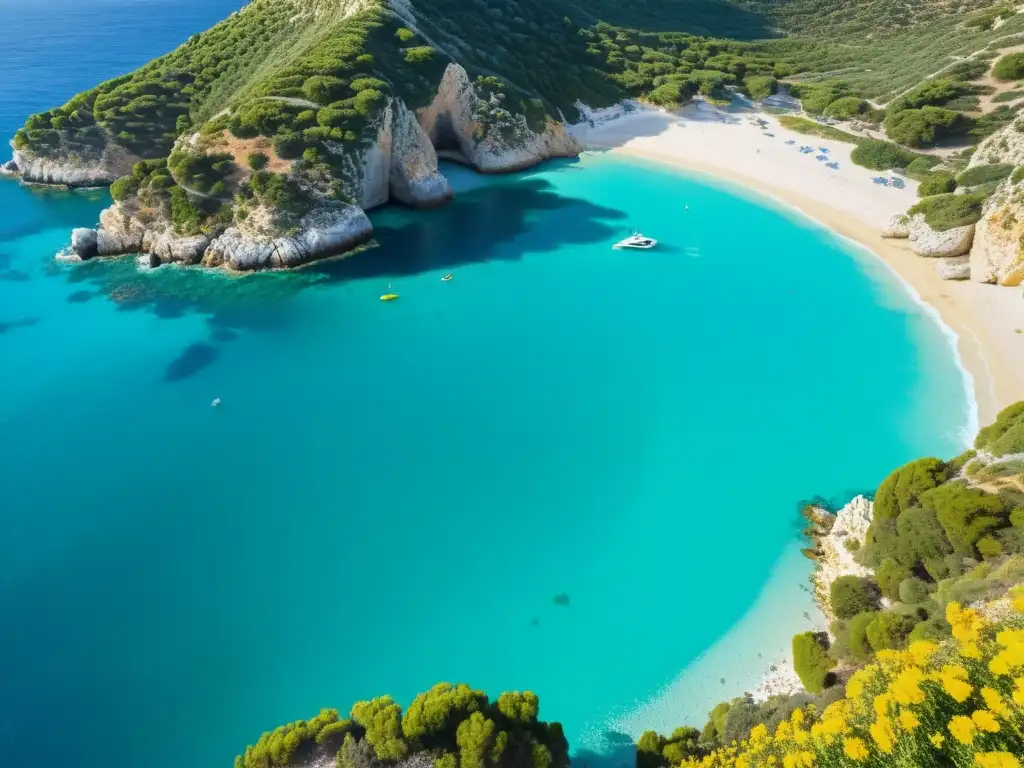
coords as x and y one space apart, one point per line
446 278
215 403
636 240
389 296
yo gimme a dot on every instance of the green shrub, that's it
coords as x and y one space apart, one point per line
850 595
890 575
1007 96
913 591
1006 434
404 34
760 87
931 93
936 184
382 720
966 514
921 166
921 544
123 188
1017 517
258 160
1009 67
856 636
419 54
288 145
889 630
983 174
881 155
904 486
989 547
323 89
811 661
648 750
943 212
666 95
923 127
847 107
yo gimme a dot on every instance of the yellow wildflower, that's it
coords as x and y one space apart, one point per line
881 704
970 651
881 731
860 678
1007 660
966 623
955 670
955 687
855 749
798 760
985 721
921 651
1010 637
995 702
1018 602
1018 692
937 740
909 720
962 729
783 731
797 717
889 657
996 760
800 736
758 732
906 688
742 762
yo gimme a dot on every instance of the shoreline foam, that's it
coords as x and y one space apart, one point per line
982 319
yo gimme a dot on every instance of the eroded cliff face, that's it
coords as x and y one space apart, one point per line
836 559
997 255
74 170
400 165
321 233
502 142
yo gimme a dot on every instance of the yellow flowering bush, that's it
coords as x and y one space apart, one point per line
960 703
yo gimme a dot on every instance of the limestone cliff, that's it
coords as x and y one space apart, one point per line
997 255
925 241
835 558
484 134
73 169
322 232
1004 146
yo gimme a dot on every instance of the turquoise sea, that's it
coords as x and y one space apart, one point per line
569 469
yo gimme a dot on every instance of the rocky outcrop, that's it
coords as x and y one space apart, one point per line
925 241
486 136
836 559
74 170
414 178
1004 146
997 255
402 164
321 233
898 226
958 268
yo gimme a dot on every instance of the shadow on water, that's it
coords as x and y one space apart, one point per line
12 325
499 221
616 751
195 358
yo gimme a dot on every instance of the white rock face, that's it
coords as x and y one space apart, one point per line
925 241
83 242
74 171
450 119
321 233
414 178
997 256
836 560
375 170
898 226
1004 146
958 268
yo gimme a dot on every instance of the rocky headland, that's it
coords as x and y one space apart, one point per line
398 165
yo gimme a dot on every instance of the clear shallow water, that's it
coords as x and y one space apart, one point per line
394 494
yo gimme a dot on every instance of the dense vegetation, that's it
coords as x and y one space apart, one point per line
451 726
919 679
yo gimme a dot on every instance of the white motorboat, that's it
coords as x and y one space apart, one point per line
636 240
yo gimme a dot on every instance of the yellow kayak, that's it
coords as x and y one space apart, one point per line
389 297
446 278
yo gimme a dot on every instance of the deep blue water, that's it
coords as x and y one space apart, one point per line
394 494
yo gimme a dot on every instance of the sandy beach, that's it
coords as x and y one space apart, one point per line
988 320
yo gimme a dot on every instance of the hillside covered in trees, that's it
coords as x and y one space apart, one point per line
273 114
